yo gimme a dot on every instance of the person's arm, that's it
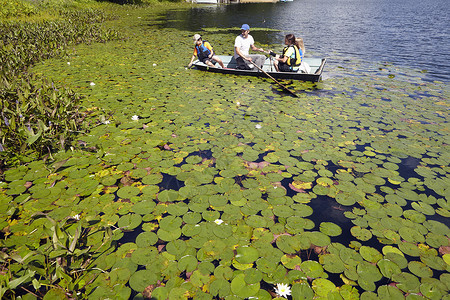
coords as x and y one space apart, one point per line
192 60
282 59
254 48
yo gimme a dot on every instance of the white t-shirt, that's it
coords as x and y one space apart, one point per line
243 44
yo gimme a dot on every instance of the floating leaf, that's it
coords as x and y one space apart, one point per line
312 269
241 289
322 287
246 254
389 292
330 229
141 279
419 269
332 263
361 233
370 254
130 221
388 268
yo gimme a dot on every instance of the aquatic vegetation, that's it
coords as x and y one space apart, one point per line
37 116
341 193
16 8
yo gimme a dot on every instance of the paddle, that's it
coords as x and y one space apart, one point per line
265 73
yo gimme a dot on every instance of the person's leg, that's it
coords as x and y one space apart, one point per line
258 59
275 64
218 60
283 67
241 64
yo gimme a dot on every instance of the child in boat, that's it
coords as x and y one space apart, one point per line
292 55
205 53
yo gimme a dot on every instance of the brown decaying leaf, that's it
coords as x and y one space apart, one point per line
444 250
296 189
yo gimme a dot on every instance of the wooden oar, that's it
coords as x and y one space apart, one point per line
265 73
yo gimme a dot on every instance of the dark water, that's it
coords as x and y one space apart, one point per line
413 33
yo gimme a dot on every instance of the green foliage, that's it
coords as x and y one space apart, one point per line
208 205
62 260
16 8
36 115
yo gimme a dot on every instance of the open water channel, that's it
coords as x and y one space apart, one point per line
219 186
413 33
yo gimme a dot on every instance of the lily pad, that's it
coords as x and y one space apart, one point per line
241 289
361 233
330 229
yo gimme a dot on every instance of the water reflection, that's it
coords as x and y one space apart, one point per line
412 34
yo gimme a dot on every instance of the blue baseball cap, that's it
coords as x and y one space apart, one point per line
245 27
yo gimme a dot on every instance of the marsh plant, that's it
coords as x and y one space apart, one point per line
36 116
59 260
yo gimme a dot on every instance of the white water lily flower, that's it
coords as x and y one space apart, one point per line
92 84
68 63
283 290
238 103
154 65
257 126
218 221
135 118
106 122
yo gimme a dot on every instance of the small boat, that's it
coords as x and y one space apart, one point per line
314 74
206 1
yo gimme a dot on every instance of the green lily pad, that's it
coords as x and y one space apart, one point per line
246 254
291 261
389 292
146 239
167 236
302 291
407 282
141 279
388 268
187 263
361 233
322 287
220 288
143 207
370 254
168 196
241 289
312 269
433 288
409 248
332 263
368 272
419 269
127 192
130 221
144 256
177 209
288 244
330 229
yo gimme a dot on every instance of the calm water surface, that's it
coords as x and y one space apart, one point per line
413 34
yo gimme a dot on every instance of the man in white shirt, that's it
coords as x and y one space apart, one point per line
242 44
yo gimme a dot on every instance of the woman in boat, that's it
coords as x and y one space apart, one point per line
205 53
292 55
